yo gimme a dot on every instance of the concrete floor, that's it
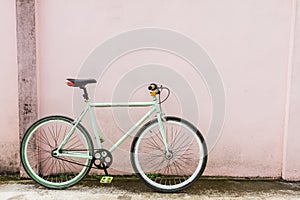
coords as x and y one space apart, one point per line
133 189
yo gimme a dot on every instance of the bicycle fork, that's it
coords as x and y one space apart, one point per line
160 120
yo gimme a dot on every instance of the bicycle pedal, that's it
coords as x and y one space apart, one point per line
106 179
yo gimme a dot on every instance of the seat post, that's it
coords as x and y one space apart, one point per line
85 94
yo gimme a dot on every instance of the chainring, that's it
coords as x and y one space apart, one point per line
102 159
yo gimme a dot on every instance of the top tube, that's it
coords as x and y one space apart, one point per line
125 104
129 104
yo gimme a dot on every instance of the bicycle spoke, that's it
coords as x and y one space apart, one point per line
45 168
172 170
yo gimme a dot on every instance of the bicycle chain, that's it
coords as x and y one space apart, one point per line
69 161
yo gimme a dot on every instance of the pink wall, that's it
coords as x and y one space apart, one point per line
291 161
249 42
9 134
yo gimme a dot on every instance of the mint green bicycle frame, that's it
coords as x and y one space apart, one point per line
89 108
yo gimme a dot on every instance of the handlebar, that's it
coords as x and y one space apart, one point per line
152 86
156 90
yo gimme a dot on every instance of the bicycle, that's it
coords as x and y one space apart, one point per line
167 153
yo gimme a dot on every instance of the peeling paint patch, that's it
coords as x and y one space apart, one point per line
27 108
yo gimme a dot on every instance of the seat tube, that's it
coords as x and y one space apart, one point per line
160 123
94 125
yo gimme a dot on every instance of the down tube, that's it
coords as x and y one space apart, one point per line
137 125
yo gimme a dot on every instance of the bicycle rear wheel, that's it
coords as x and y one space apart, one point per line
177 170
37 157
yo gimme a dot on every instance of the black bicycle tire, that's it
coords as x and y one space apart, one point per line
69 120
142 129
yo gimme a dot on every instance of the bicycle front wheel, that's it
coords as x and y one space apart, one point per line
175 169
41 164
